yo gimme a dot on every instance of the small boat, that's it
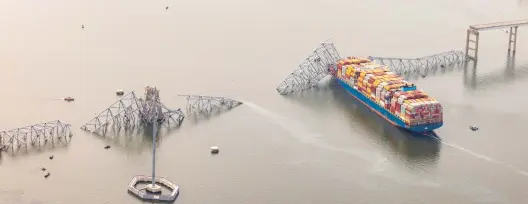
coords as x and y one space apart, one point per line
214 150
120 92
69 99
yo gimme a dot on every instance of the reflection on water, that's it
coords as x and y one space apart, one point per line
508 74
136 140
413 149
23 151
435 71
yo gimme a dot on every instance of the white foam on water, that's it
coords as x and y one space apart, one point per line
380 165
486 158
303 134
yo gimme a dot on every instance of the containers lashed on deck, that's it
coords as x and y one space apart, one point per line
389 95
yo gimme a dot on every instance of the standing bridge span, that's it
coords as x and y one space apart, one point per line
473 35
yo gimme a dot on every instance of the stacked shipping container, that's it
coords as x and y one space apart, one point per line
390 91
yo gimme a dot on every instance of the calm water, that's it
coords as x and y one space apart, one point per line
315 147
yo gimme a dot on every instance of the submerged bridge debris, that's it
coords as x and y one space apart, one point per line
421 65
197 104
311 70
131 111
38 135
315 67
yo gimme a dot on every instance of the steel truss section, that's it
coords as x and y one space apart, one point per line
36 135
311 70
131 111
421 65
197 104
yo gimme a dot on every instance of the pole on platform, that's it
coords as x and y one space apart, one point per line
154 153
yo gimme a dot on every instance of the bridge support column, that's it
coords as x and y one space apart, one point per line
472 44
512 41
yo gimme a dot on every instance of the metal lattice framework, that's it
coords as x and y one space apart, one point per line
207 104
311 70
35 135
131 111
315 67
421 65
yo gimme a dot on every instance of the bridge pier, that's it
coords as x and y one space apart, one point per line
513 33
472 42
475 29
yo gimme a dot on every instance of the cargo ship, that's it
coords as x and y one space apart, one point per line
387 94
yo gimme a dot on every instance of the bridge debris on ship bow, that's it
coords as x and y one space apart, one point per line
315 67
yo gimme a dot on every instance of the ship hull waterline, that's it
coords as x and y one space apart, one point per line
385 114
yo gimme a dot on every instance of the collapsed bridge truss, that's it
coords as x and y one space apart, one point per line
315 67
37 135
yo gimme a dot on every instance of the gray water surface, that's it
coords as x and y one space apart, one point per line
315 147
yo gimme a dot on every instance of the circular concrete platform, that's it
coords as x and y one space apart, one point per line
153 192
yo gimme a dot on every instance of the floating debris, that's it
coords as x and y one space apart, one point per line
166 8
107 147
474 128
214 150
43 169
69 99
51 157
47 175
82 26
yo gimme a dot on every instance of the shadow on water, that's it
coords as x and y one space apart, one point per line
198 118
151 201
35 150
411 148
137 140
509 74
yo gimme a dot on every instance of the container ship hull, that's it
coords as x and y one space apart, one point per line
382 112
388 94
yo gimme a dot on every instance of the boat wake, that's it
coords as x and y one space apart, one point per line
486 158
303 134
